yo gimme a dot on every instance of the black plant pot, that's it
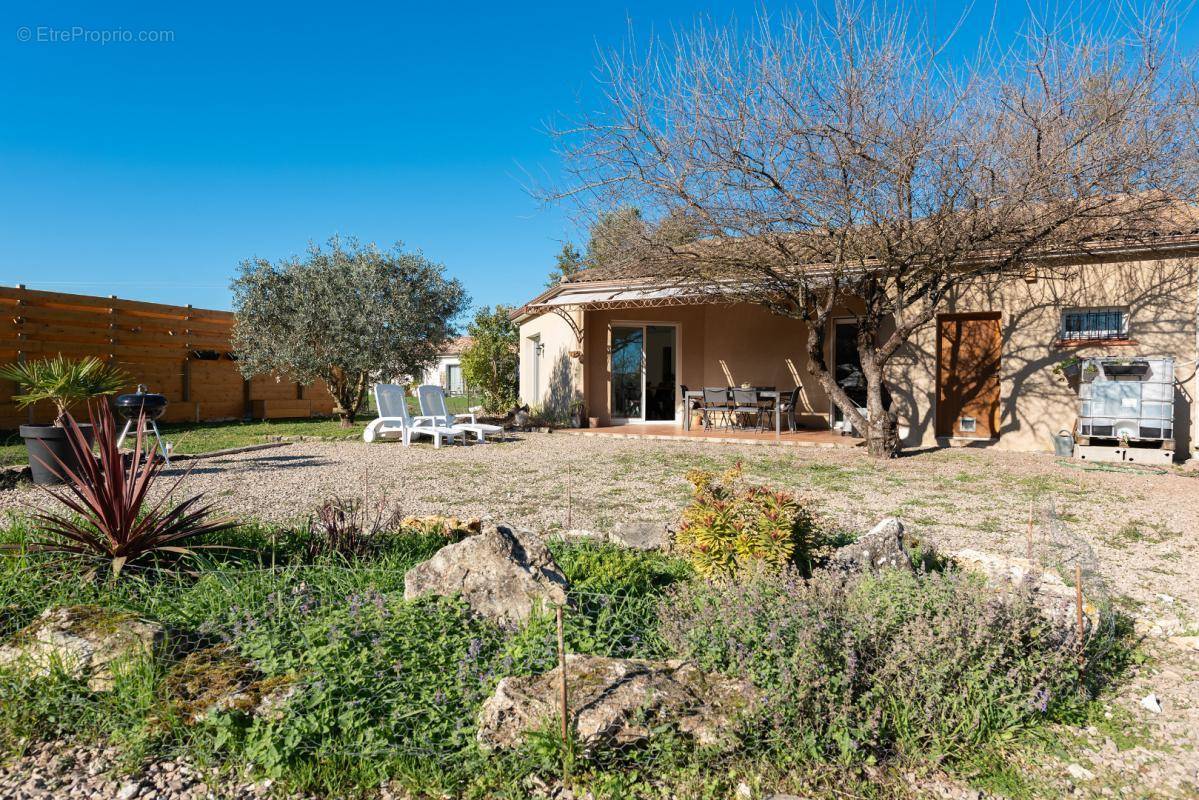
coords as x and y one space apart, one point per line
43 443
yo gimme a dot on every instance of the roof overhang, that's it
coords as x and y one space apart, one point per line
597 296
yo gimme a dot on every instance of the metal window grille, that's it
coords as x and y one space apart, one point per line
1094 323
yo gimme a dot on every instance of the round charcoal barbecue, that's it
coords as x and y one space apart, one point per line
143 405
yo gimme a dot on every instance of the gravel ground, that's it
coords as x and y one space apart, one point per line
1135 531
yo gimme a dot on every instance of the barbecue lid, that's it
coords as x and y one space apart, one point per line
141 398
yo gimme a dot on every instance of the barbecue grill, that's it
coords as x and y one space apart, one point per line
145 406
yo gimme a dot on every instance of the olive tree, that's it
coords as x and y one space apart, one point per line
844 164
345 314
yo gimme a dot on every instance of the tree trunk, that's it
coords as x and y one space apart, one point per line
347 395
882 435
882 440
818 368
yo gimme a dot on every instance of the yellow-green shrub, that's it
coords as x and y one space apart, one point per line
731 524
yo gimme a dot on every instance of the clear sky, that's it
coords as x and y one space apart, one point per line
149 169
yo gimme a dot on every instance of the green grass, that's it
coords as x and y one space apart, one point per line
205 437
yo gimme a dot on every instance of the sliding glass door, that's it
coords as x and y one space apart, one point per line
643 373
628 361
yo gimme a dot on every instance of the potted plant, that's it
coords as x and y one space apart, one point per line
577 414
63 382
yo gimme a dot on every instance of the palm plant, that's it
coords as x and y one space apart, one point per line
113 518
63 381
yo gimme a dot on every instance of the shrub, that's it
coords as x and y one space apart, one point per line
877 666
349 527
112 518
730 524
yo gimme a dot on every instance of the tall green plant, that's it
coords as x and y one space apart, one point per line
490 363
63 381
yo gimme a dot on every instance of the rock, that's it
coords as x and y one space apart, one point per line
1160 628
1185 642
501 573
217 679
615 701
438 524
575 535
881 548
129 790
1150 703
1056 599
1079 772
641 535
85 641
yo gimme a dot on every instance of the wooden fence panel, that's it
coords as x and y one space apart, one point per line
168 348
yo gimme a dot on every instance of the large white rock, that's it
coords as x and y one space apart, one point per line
1056 598
880 548
502 573
84 641
615 701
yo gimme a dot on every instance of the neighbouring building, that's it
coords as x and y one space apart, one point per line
447 372
983 373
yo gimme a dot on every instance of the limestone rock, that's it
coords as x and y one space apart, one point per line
1056 599
641 535
615 701
501 573
217 679
880 548
85 641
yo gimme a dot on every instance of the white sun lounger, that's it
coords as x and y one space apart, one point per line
394 419
432 405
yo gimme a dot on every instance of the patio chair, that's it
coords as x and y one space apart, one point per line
394 419
788 408
432 404
746 403
715 404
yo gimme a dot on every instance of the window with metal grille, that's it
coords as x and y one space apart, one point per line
1079 324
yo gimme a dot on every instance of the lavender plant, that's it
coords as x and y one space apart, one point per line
877 666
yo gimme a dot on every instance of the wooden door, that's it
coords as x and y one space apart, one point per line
968 350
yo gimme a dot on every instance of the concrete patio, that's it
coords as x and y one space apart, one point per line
671 431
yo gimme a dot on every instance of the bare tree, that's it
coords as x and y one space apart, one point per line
847 165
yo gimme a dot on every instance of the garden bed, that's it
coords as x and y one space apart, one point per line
379 690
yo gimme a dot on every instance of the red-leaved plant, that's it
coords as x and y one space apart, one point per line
108 493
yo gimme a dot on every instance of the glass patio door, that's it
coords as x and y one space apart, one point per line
628 372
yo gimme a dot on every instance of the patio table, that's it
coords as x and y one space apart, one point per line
765 394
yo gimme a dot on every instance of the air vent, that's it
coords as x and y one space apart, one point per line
967 424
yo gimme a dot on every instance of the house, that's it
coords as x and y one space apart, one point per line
982 373
447 372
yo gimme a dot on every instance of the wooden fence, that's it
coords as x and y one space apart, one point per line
179 351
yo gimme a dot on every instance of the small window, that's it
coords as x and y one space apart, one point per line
1084 324
968 425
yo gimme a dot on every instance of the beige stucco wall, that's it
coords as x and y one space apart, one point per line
719 345
733 344
559 377
1035 403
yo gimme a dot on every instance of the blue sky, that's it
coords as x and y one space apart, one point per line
259 128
